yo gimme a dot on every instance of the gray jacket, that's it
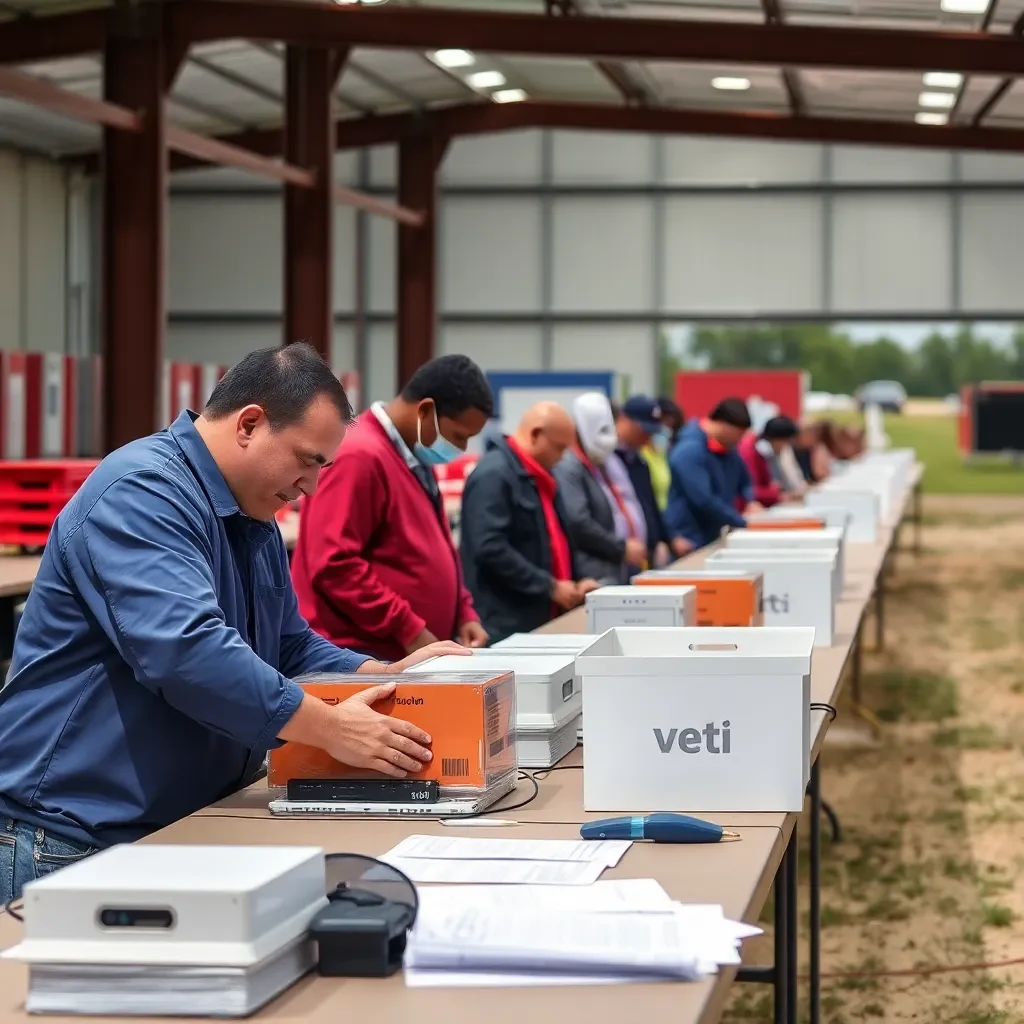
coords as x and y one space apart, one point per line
598 553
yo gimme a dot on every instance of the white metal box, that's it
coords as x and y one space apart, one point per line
862 504
547 690
800 587
609 607
772 540
834 516
203 905
706 719
572 643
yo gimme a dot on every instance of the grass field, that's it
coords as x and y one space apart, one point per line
934 438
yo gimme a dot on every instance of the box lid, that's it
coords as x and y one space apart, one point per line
545 642
528 666
703 650
614 595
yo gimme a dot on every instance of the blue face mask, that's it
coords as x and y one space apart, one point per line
441 452
659 442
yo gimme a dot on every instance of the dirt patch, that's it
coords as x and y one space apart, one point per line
928 871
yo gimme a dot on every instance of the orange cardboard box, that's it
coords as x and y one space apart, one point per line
723 598
471 720
785 523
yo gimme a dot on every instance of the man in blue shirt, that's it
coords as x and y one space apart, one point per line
154 664
710 482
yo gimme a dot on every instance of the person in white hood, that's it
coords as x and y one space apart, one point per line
606 520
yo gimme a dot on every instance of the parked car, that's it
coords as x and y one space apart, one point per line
889 395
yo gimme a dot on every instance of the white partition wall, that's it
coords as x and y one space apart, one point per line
569 250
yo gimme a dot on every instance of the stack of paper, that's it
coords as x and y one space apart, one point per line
506 861
608 933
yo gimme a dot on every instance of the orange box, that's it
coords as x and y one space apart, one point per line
785 523
471 720
723 598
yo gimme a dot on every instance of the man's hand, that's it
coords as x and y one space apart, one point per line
364 738
681 546
636 551
472 634
753 508
586 585
434 650
565 594
422 639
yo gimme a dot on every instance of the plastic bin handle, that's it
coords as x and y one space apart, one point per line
714 647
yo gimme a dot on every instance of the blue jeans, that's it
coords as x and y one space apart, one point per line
27 853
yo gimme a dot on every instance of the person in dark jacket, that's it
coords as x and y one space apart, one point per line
516 550
638 421
708 475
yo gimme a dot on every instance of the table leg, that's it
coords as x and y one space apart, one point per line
918 515
790 979
833 820
814 955
880 606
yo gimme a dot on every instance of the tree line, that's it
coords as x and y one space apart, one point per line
939 366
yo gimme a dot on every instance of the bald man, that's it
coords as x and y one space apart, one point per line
516 553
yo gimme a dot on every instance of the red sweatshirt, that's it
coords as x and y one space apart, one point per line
374 564
766 489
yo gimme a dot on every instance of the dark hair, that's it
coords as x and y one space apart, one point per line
670 408
780 428
283 382
732 411
455 383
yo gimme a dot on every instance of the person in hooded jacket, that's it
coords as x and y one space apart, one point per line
606 520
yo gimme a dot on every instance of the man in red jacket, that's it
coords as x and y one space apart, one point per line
374 567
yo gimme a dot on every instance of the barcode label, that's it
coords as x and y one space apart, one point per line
455 767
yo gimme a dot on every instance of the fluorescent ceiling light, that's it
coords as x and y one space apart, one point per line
924 118
734 84
964 6
938 100
508 95
454 58
942 79
486 79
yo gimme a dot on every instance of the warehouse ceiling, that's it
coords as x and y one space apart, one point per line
233 86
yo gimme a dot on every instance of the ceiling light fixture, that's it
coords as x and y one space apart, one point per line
486 79
938 100
924 118
454 58
732 84
942 79
508 95
964 6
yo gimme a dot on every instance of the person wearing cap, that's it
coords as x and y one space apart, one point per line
708 476
761 453
637 423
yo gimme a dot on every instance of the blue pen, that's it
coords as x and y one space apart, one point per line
659 828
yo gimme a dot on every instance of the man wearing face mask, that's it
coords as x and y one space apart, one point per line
709 478
375 567
515 544
606 521
762 454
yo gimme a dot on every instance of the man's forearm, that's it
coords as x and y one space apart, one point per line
313 723
370 668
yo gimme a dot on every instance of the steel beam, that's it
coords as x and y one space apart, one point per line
790 78
135 68
223 154
309 75
327 24
370 204
418 161
995 97
40 93
26 40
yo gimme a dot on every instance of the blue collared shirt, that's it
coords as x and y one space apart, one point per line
153 666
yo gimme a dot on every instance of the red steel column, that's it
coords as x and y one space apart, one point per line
134 170
418 160
310 75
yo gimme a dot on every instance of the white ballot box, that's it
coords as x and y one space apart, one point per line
862 504
608 607
703 719
800 587
772 540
